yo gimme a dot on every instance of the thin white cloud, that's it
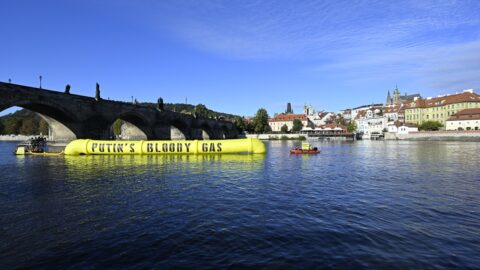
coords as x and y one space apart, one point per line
306 29
432 42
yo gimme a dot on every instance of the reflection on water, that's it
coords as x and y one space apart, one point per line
92 166
355 205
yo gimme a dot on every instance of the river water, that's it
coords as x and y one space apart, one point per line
384 205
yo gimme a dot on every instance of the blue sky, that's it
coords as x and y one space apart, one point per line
237 56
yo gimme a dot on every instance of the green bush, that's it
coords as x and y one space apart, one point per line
430 126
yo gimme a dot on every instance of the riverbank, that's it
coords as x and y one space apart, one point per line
274 137
17 138
444 135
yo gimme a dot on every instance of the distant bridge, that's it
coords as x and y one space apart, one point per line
71 116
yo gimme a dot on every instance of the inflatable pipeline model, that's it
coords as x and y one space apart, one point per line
94 147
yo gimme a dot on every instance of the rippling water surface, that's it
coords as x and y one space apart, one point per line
389 205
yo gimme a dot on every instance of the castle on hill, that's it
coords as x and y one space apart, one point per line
398 98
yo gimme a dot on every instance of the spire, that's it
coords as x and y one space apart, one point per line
389 98
289 108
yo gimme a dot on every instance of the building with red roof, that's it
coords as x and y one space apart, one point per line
468 119
440 108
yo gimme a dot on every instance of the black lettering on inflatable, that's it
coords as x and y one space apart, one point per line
187 146
149 147
120 148
165 147
101 147
108 147
132 148
156 148
205 147
172 147
212 147
114 147
219 147
179 147
94 145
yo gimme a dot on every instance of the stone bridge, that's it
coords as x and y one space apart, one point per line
72 116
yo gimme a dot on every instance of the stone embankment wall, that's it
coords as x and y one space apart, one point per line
450 135
16 137
274 136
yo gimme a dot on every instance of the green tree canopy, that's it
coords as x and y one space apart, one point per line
297 125
43 127
284 128
249 126
29 127
12 125
117 127
240 123
201 111
352 126
260 121
430 125
267 129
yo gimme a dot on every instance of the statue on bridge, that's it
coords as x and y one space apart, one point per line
97 92
67 89
160 104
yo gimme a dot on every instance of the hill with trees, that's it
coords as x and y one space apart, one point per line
23 122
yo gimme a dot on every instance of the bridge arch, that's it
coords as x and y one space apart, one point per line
205 132
179 130
71 116
224 132
134 126
61 121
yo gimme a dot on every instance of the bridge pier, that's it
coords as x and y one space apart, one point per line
58 131
132 132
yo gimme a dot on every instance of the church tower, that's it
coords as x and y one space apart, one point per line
389 99
289 108
396 95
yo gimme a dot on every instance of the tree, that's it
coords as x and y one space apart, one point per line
201 111
28 127
12 125
43 127
2 127
267 129
352 126
297 125
430 125
260 121
240 123
250 128
284 128
117 127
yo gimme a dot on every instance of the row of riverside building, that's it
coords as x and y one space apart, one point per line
400 113
311 120
404 113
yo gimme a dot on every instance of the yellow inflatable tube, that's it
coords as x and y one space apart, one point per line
94 147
